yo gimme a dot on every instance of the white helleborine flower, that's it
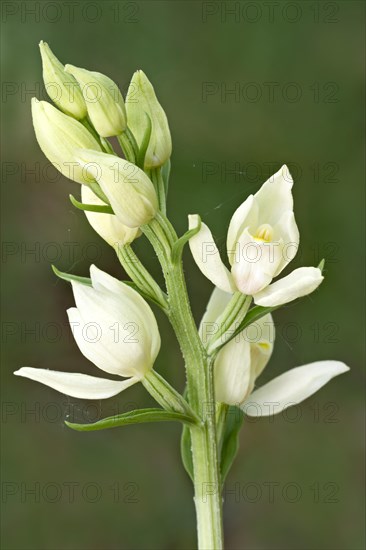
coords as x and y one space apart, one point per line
240 362
262 239
103 99
58 136
141 99
60 85
129 190
115 329
107 226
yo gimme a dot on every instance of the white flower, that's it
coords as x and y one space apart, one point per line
141 99
129 190
107 226
262 239
239 363
103 99
115 329
58 136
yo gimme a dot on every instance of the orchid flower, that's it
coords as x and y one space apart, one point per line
115 329
262 239
241 361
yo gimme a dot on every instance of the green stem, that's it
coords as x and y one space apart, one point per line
166 395
158 181
229 320
140 275
126 147
201 397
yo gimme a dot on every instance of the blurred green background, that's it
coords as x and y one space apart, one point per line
295 73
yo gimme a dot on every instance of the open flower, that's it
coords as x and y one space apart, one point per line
262 239
240 362
115 329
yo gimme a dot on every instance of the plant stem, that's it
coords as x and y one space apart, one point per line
201 398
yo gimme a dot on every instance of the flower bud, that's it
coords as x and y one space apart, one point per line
61 86
107 226
141 99
129 190
58 136
103 99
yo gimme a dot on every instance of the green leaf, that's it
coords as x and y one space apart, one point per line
70 277
230 443
251 317
95 187
165 172
138 416
102 209
178 246
321 265
140 161
186 451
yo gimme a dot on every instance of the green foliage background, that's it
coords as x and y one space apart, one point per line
297 482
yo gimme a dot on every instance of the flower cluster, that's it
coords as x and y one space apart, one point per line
125 197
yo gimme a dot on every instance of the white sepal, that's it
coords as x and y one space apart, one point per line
74 384
300 282
207 256
232 372
291 388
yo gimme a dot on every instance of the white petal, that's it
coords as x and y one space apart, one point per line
287 230
255 263
143 311
77 385
261 336
244 216
300 282
207 257
291 388
275 197
232 372
216 305
107 226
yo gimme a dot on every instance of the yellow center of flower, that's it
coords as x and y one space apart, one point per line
264 233
265 346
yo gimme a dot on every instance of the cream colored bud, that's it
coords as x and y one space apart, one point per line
141 99
103 99
61 86
58 136
129 190
107 226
